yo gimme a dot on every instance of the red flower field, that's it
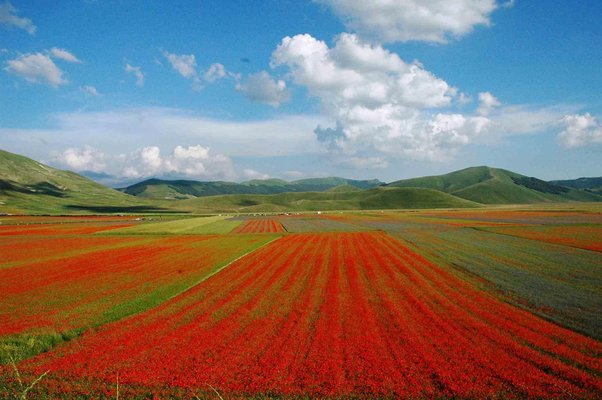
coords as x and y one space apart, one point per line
62 282
260 226
337 314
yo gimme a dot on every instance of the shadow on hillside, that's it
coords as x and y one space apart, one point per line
124 209
45 188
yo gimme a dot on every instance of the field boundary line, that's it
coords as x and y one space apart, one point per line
214 273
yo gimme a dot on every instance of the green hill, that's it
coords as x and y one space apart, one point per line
588 184
343 189
185 189
498 186
27 186
369 199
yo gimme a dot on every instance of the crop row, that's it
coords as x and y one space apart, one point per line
260 226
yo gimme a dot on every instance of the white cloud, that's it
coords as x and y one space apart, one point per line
86 158
406 20
167 128
91 90
524 120
487 102
190 162
63 55
252 174
381 105
196 162
150 158
580 130
9 19
262 88
137 72
215 72
37 68
184 65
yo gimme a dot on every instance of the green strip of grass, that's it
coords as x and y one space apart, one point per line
189 226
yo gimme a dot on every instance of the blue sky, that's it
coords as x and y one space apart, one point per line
290 89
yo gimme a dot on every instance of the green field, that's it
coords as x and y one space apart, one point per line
186 226
560 282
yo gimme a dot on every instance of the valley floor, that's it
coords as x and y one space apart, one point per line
482 303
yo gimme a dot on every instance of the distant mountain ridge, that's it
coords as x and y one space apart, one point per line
593 184
187 189
27 186
378 198
488 185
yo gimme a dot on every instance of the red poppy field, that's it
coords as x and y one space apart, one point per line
260 226
362 314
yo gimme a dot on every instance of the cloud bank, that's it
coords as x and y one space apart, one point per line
379 103
408 20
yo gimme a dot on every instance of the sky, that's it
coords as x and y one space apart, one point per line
236 90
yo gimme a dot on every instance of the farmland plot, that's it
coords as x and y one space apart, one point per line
343 314
260 226
588 237
57 286
562 283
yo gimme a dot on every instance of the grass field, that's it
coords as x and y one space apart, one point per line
187 226
496 303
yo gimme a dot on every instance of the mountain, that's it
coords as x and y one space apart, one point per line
27 186
589 184
368 199
186 189
488 185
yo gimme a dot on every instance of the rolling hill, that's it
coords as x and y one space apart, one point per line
588 184
488 185
369 199
27 186
186 189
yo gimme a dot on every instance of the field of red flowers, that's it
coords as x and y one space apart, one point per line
260 226
55 282
328 315
587 237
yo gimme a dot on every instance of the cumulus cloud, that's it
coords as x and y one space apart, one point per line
579 130
406 20
487 102
137 72
63 55
262 88
192 162
37 68
379 102
91 90
186 66
9 19
215 72
252 174
183 161
86 158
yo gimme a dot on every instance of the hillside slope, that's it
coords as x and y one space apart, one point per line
186 189
488 185
370 199
27 186
589 184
